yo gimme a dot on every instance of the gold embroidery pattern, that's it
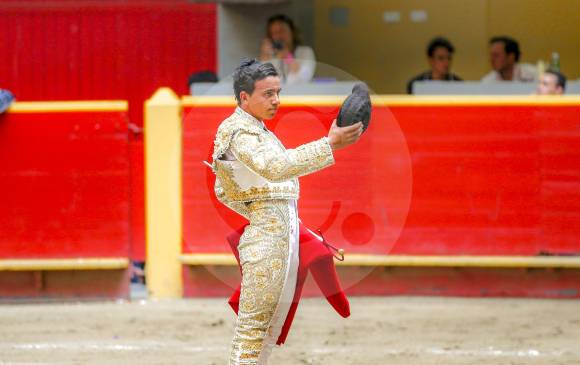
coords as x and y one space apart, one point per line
264 247
261 152
237 206
232 192
263 252
265 155
240 120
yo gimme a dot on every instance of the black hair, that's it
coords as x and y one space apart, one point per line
202 76
560 78
510 45
248 72
439 42
284 19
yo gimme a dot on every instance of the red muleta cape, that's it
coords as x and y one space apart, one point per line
314 256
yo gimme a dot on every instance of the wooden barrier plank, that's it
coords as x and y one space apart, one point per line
113 263
69 106
569 262
399 100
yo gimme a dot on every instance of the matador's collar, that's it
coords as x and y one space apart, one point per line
247 116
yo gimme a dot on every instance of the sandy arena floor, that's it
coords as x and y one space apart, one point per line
387 330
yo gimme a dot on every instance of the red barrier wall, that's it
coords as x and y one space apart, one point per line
64 194
102 50
64 184
440 180
492 180
109 49
448 179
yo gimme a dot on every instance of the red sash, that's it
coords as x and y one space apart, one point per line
314 256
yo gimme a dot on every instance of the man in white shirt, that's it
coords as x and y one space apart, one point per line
504 54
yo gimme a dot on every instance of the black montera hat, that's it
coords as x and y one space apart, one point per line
356 108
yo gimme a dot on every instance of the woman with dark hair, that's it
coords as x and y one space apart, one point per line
282 47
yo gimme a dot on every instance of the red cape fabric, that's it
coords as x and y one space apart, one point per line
315 257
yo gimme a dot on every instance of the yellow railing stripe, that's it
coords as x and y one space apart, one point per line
462 261
191 101
222 259
68 106
291 100
401 100
64 264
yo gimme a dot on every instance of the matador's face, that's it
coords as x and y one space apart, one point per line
263 103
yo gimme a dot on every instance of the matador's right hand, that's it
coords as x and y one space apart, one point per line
340 137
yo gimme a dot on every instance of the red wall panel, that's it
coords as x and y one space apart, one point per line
438 180
64 185
102 50
346 201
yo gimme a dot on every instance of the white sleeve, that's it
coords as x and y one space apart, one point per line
490 77
305 57
528 72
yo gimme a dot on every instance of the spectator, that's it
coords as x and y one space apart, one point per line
439 55
201 77
6 98
295 62
504 55
551 83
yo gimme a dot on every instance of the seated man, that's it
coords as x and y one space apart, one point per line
439 55
551 83
6 98
504 55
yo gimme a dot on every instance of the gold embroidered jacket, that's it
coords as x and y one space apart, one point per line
259 167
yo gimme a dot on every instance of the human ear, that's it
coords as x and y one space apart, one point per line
244 97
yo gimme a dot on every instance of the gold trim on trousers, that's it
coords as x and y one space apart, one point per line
268 252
